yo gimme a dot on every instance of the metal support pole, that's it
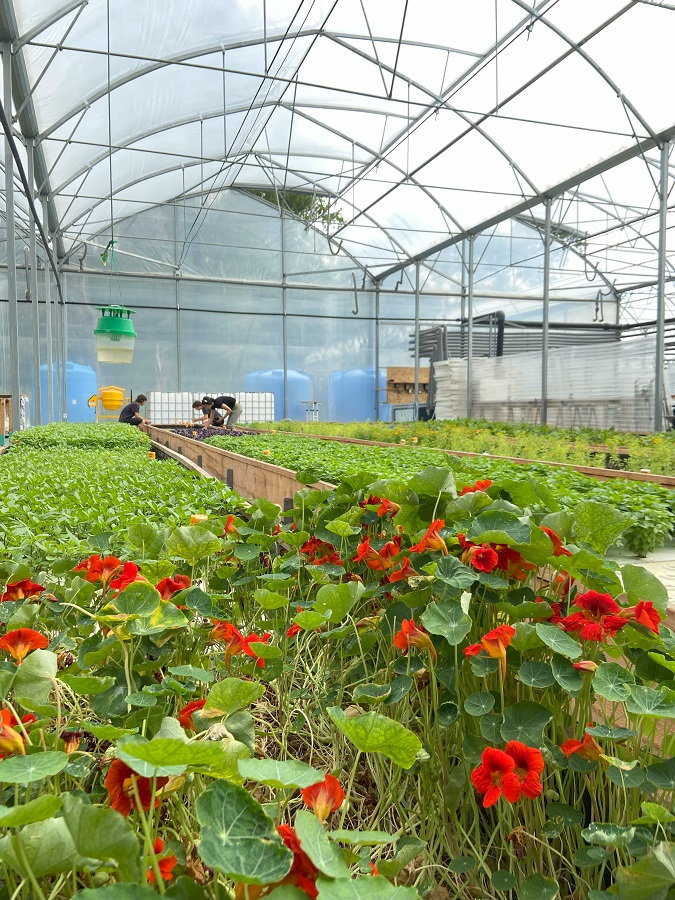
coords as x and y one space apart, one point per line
284 329
13 336
661 291
469 343
545 311
416 405
377 352
462 306
64 351
59 354
32 291
179 363
48 329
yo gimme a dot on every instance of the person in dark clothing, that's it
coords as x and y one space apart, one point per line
130 413
219 411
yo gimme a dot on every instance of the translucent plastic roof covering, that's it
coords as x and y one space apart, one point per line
422 122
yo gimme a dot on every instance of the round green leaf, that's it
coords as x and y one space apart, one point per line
447 619
37 810
366 888
139 598
462 864
536 674
613 682
229 695
569 678
536 887
375 733
525 721
289 773
270 599
315 843
25 769
558 640
503 880
479 704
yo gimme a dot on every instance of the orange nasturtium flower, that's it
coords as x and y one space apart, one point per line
166 865
20 642
529 766
494 643
411 635
324 797
597 617
11 741
478 486
405 571
558 549
237 643
588 748
496 776
130 573
21 590
378 560
644 613
119 783
432 540
387 507
99 569
185 714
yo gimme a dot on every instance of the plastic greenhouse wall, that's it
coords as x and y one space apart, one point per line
229 289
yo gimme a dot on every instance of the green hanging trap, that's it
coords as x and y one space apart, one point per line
115 334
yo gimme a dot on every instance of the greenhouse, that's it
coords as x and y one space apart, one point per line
377 602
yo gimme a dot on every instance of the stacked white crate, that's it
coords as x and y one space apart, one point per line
450 376
174 408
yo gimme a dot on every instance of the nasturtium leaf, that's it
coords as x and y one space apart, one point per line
569 678
365 888
199 601
375 733
625 778
536 887
491 727
454 573
503 880
157 569
148 539
446 713
447 619
43 848
479 704
309 619
325 855
229 695
103 834
400 688
370 838
598 524
25 769
610 734
246 552
589 857
192 543
107 732
335 601
138 698
270 599
568 815
34 677
83 685
525 721
558 640
289 773
662 774
166 616
139 598
307 476
650 878
608 835
7 676
166 756
461 864
528 610
371 693
613 682
536 674
640 584
645 701
43 807
194 672
499 527
482 666
433 481
652 813
238 838
117 892
25 616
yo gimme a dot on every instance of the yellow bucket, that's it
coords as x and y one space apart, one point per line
112 397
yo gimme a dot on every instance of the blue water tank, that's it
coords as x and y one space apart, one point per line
80 386
299 388
351 396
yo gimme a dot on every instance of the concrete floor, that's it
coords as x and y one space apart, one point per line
660 563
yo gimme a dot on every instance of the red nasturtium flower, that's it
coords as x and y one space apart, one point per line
432 540
237 643
20 642
481 557
529 766
511 562
598 617
585 665
130 573
644 613
21 590
588 748
374 559
324 797
496 776
119 783
230 527
387 507
166 865
478 486
303 871
295 628
494 643
411 635
321 552
99 569
167 587
185 714
558 549
406 571
371 500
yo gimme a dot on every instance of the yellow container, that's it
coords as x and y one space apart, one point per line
151 454
112 397
196 519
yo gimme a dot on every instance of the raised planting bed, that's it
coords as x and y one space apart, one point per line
583 447
381 677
